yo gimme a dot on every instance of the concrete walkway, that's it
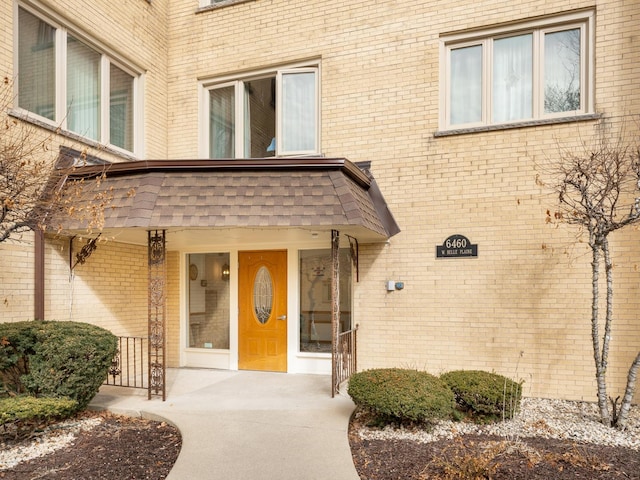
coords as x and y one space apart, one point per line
248 425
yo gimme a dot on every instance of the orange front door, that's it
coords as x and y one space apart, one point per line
262 319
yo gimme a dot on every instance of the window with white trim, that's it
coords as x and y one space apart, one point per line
272 113
536 70
67 81
316 297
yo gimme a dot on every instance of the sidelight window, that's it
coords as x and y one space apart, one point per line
209 294
315 298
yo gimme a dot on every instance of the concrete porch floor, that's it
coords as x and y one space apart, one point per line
240 425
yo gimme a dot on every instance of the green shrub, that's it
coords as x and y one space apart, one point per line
55 359
20 416
16 344
24 408
402 395
486 396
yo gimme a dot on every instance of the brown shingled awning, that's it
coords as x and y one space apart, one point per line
236 197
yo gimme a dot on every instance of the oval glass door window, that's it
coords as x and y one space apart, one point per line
263 295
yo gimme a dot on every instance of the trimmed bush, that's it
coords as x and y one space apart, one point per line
20 416
24 408
485 395
55 359
402 395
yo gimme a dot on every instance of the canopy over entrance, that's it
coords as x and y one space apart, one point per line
185 197
185 204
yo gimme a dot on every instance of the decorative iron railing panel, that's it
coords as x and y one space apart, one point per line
157 313
335 308
129 367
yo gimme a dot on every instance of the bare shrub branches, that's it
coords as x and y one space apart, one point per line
32 177
596 187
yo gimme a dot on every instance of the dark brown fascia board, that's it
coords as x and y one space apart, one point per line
254 164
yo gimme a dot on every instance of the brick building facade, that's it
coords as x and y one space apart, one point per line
415 90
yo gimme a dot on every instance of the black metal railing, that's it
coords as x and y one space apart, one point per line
129 367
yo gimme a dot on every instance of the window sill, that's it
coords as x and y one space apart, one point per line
26 117
314 355
509 126
210 351
222 4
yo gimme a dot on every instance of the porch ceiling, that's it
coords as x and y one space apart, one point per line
240 201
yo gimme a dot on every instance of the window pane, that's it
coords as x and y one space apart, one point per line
121 108
260 117
315 298
299 112
221 123
466 85
83 89
562 71
36 65
209 300
512 78
263 295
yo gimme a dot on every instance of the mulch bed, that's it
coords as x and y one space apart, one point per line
133 448
476 457
119 448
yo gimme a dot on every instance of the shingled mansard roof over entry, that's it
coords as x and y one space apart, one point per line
305 193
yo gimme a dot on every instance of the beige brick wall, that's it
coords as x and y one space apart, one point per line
521 307
16 283
109 289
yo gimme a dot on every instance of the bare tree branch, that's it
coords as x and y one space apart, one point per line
592 188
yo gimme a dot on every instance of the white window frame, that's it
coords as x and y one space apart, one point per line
205 86
107 57
584 20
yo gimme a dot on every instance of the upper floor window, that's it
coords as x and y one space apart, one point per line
272 113
533 71
66 80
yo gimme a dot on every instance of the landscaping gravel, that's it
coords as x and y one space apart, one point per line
96 445
543 418
51 439
559 419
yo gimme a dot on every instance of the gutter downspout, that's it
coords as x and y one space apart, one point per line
38 270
